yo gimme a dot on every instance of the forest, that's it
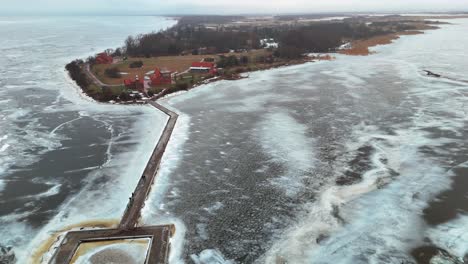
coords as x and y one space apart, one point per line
190 37
74 69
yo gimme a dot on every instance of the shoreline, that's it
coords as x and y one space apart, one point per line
85 96
360 47
129 222
234 77
103 87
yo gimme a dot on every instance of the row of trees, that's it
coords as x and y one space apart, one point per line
183 38
293 40
74 69
152 44
318 38
76 72
323 37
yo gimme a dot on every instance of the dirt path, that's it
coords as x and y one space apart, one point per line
95 79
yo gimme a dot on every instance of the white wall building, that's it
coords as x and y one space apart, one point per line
269 43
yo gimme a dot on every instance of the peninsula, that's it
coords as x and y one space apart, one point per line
202 49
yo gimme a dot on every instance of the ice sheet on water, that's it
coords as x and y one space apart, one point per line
285 140
109 200
4 147
24 138
34 100
26 130
210 256
452 236
381 212
377 220
216 206
383 224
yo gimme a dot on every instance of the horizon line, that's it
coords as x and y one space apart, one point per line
452 12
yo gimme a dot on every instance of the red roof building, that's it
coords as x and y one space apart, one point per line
128 82
104 58
203 66
161 77
136 84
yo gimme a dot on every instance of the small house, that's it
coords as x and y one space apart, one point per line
160 77
104 58
136 84
269 43
203 67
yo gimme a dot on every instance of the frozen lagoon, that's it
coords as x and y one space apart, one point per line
333 162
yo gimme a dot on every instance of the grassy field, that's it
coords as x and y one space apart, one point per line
115 90
94 89
172 63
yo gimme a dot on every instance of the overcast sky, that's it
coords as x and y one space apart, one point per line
222 6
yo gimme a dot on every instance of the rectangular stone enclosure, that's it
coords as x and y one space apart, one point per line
158 242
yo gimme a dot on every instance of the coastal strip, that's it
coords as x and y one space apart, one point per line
175 59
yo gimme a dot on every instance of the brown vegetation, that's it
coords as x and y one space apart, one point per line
361 47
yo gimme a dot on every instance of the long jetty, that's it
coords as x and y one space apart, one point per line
159 236
137 201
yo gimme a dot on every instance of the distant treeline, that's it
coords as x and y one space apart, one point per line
307 16
189 39
294 40
323 37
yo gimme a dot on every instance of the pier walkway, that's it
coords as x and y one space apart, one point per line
159 235
132 213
